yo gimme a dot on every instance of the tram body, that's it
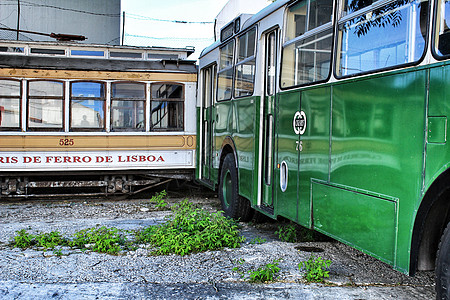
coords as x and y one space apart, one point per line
110 120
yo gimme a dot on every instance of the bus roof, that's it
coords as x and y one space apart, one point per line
254 19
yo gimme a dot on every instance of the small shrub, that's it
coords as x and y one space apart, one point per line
258 240
160 200
50 240
23 240
103 239
190 230
316 269
265 273
287 233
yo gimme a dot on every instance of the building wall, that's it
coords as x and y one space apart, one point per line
98 20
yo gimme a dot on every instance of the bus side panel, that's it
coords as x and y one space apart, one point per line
314 155
244 138
438 154
378 142
364 222
222 129
287 141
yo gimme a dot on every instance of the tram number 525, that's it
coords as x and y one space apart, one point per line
66 142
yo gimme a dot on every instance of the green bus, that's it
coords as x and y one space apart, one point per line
333 114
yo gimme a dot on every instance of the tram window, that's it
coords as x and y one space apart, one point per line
87 105
245 67
225 73
442 40
128 106
167 106
354 5
384 38
45 104
10 94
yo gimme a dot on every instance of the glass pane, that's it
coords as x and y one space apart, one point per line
167 115
443 29
128 115
226 56
88 89
390 36
128 90
225 84
9 88
45 88
307 60
45 113
87 53
320 12
87 113
245 76
247 45
296 20
167 91
9 112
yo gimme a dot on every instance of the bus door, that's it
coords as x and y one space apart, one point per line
208 81
268 136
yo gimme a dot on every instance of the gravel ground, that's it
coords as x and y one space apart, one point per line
134 274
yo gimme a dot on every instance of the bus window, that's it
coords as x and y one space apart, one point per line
87 105
307 53
388 36
442 40
128 106
245 66
167 106
45 104
225 73
10 94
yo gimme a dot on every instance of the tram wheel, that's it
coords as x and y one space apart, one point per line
233 205
443 267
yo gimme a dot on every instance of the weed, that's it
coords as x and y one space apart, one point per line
316 269
50 240
265 273
102 239
190 230
258 240
160 200
23 240
287 233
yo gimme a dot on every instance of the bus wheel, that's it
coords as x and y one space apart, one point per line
233 205
443 267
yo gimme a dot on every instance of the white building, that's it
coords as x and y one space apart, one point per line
98 20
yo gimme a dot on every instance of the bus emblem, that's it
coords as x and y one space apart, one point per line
299 122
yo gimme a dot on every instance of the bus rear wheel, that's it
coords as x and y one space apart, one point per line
233 205
443 267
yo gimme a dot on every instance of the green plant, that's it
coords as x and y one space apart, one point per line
191 229
258 240
102 239
160 200
23 240
50 240
265 273
287 233
316 268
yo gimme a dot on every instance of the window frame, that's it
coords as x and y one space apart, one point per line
226 69
104 99
435 33
368 10
244 61
144 100
19 98
329 26
177 100
62 98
